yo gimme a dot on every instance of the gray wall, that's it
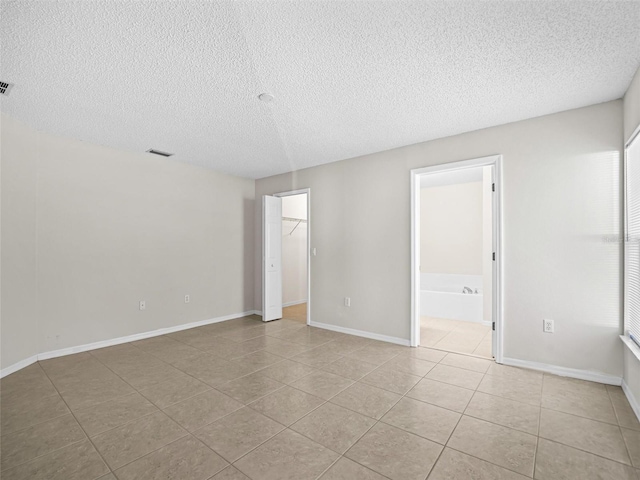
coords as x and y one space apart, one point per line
451 229
632 107
561 203
105 229
18 307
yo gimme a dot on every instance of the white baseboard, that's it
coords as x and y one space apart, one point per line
18 366
117 341
564 371
361 333
633 401
291 304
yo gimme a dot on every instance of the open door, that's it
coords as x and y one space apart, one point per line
271 258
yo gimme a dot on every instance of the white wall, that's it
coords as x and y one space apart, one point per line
294 250
451 229
561 199
18 315
631 122
112 228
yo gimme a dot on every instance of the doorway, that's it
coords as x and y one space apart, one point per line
286 288
455 265
294 257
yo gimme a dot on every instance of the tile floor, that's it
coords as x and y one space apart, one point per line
296 312
456 336
247 400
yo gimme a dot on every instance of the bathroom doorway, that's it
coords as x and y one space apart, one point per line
455 257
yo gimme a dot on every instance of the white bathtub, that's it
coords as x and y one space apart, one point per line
441 297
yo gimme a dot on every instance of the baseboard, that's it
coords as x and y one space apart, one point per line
117 341
564 371
291 304
633 401
361 333
18 366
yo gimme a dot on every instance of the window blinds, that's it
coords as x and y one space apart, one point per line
632 240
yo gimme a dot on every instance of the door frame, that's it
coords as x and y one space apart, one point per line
308 192
497 300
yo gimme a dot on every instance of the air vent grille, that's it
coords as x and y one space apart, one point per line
159 152
5 88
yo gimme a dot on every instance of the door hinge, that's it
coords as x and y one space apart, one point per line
494 256
493 326
493 187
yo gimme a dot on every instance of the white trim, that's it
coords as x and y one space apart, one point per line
18 366
564 371
633 401
361 333
496 161
632 137
631 345
302 191
291 304
117 341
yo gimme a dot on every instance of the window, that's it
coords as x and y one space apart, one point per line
632 240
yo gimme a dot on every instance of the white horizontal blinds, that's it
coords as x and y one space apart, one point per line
632 241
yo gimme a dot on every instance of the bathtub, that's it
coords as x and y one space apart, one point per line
441 297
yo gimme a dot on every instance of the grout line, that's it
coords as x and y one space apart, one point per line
624 440
80 425
535 456
2 434
587 452
535 452
189 434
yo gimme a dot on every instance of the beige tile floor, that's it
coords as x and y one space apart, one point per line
456 336
248 400
296 312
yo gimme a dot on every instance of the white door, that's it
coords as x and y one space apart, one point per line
271 258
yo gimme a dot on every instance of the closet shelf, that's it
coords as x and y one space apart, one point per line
297 220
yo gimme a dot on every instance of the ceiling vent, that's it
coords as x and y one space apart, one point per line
5 88
158 152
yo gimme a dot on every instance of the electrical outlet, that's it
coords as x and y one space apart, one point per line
547 325
143 305
186 299
347 301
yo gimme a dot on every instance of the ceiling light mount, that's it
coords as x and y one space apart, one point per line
266 97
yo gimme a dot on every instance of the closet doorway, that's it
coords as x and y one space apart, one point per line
296 274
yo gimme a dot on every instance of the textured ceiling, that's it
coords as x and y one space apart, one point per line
349 78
